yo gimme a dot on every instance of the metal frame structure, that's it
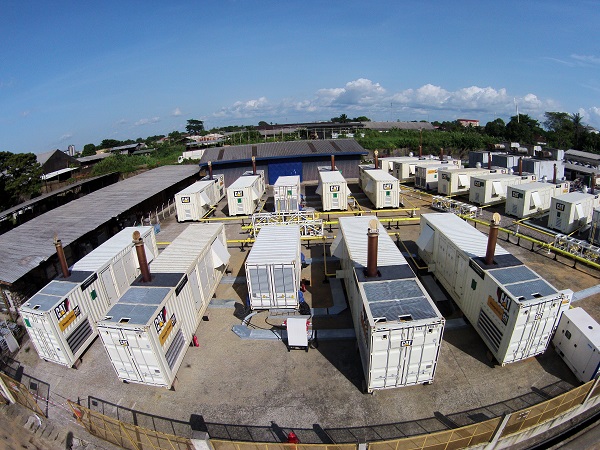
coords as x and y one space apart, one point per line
309 224
583 249
454 206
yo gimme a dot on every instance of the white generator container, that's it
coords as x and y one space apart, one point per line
405 170
387 162
379 186
528 199
594 236
147 332
61 318
286 193
426 177
273 268
577 341
398 327
193 202
333 189
244 194
260 173
218 191
457 181
512 308
571 211
491 188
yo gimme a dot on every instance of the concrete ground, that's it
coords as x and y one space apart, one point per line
257 390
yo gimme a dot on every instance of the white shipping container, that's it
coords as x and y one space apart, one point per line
286 193
426 177
594 236
273 268
379 186
193 202
527 199
333 189
218 191
147 332
61 318
458 181
244 194
405 170
387 162
261 173
491 188
398 327
512 308
577 341
571 211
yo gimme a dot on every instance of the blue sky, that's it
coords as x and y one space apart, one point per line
79 72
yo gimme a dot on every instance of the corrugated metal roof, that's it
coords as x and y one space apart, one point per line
244 181
282 150
573 197
28 245
288 180
354 230
331 176
198 186
381 175
276 244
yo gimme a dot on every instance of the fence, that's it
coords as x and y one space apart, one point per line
231 445
21 394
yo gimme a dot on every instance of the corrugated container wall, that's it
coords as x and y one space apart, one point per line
193 202
398 327
148 331
286 193
512 308
333 189
218 192
577 341
594 236
572 211
243 195
458 181
273 268
529 199
544 168
379 186
490 189
426 177
61 318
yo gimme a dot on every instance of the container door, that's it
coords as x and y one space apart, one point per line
259 286
284 287
44 339
239 206
205 277
117 347
335 200
109 287
461 270
120 276
534 329
198 297
144 357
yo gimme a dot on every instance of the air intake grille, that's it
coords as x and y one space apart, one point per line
79 335
175 349
489 330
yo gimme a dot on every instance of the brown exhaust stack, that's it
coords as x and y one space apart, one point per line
210 170
441 153
254 165
492 239
376 159
489 160
332 163
593 183
61 257
554 177
373 238
521 166
141 254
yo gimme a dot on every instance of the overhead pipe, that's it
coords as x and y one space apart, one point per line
332 163
254 165
372 243
492 239
141 255
61 257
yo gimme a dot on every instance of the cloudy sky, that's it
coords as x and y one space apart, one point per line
79 72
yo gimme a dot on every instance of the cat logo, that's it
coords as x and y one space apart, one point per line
161 318
387 187
238 193
334 188
406 343
477 183
185 199
560 206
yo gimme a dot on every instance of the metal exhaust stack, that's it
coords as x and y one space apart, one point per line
254 165
554 177
492 239
210 170
61 257
332 163
373 240
521 166
141 254
593 182
376 161
489 160
441 153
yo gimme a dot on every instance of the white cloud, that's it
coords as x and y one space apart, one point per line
176 112
65 137
586 59
146 121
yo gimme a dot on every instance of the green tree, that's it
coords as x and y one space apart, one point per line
194 126
262 123
523 129
88 150
577 121
110 143
495 128
20 177
343 118
560 129
361 119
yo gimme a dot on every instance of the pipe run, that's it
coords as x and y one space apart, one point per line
61 257
141 255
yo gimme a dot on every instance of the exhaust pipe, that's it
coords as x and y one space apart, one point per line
489 160
64 267
492 239
332 163
372 242
593 183
254 165
210 170
376 161
441 153
141 255
521 166
554 177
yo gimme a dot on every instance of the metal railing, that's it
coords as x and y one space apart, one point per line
232 445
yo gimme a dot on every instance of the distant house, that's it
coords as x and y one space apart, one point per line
128 149
468 122
56 163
